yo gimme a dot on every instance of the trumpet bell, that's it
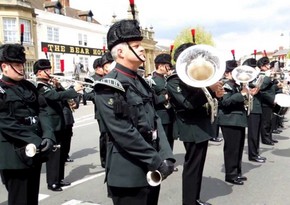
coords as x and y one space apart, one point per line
244 74
200 66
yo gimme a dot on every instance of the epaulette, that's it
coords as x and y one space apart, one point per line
2 90
227 87
43 86
150 81
171 76
111 82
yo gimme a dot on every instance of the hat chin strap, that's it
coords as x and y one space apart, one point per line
17 71
135 53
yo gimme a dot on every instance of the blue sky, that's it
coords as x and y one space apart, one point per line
243 25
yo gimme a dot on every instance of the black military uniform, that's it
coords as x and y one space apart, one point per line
232 118
162 105
137 142
23 120
192 126
97 65
54 97
254 120
268 91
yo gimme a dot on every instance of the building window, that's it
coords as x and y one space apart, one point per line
80 37
57 63
57 10
52 34
89 18
10 30
27 30
85 40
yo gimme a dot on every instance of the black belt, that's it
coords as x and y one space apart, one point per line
31 120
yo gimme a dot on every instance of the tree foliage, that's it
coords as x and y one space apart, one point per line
185 36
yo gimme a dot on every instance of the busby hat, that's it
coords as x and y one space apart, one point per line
163 58
263 61
97 63
123 31
231 65
106 58
41 64
12 53
250 62
181 48
275 64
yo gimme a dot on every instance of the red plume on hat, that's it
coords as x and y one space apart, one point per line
45 49
193 35
171 49
21 33
132 8
233 53
255 53
265 53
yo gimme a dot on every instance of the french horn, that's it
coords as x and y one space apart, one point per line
201 66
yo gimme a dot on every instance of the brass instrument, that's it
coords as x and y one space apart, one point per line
154 178
201 66
31 150
245 74
69 80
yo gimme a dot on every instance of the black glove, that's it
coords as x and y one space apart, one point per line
166 168
46 145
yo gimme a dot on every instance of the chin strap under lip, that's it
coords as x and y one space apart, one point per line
135 52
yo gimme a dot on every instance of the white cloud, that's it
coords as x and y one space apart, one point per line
241 25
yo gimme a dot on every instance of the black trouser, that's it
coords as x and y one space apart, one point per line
192 171
66 141
254 130
234 140
103 148
266 127
168 128
134 196
22 185
55 163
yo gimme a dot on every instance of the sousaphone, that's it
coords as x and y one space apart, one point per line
200 66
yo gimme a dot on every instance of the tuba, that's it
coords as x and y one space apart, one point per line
201 66
245 74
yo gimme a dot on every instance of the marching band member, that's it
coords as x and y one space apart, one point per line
166 114
268 92
192 125
232 118
54 95
136 140
99 71
254 120
23 121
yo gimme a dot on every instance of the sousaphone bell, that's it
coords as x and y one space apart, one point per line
200 66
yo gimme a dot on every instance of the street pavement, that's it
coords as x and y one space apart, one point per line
267 184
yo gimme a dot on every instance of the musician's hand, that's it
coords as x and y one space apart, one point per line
220 93
254 91
78 87
46 145
166 168
217 86
55 83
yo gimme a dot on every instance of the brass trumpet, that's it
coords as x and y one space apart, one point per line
64 79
